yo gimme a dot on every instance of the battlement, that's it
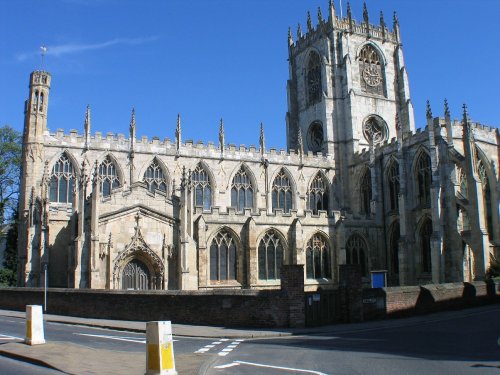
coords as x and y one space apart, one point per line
344 24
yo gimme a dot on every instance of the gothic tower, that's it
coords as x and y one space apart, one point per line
347 81
32 197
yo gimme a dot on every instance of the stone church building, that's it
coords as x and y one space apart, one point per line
358 184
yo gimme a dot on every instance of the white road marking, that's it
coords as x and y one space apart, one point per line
237 363
229 348
119 338
8 337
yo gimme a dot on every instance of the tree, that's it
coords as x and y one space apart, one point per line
10 171
8 275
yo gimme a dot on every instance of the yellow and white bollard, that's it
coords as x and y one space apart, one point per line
160 349
34 325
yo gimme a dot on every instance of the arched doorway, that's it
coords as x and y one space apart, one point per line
136 276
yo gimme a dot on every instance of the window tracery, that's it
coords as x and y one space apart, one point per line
271 255
318 195
108 175
62 180
241 191
425 245
393 179
223 257
318 258
366 191
202 188
424 179
314 78
282 192
155 178
355 252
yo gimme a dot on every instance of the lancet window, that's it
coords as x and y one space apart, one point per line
425 245
393 180
282 192
371 71
366 191
314 78
488 210
424 178
394 246
202 188
223 257
318 195
62 180
108 175
241 191
318 258
155 178
271 254
356 252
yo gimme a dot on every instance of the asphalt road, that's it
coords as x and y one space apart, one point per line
466 342
12 367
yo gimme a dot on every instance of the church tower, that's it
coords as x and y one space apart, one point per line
32 202
347 82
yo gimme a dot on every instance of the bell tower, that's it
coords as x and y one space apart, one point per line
32 195
347 82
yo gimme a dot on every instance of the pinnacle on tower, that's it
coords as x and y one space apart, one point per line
290 37
178 132
382 24
262 139
446 108
309 22
428 111
299 31
320 17
221 135
465 114
331 12
87 120
365 13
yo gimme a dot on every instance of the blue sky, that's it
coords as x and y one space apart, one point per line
224 58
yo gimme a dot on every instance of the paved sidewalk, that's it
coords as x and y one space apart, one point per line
78 359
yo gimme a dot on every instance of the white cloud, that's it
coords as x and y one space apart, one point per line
74 48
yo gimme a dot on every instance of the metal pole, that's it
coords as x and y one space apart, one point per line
45 290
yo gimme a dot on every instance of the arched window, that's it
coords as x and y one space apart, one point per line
241 191
41 101
155 178
318 258
371 71
223 257
318 195
282 192
136 276
393 182
488 210
394 246
62 180
424 179
202 188
425 245
366 191
356 252
314 78
35 100
108 175
271 254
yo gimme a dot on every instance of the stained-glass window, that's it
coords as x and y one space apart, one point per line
241 191
202 188
366 191
271 254
154 177
314 78
223 257
356 252
424 178
318 258
62 180
318 195
393 180
282 192
108 175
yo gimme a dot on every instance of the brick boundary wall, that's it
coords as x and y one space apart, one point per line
414 300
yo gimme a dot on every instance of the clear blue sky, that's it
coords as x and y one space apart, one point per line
224 58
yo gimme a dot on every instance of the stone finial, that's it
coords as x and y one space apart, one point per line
290 37
365 14
395 22
465 115
87 120
300 142
309 22
299 31
262 141
132 124
349 17
221 136
446 108
320 17
397 122
331 12
382 24
428 111
95 175
178 133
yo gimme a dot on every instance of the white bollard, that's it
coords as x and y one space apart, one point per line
160 349
34 325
